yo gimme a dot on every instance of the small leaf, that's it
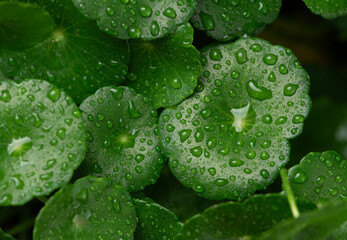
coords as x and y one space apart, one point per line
137 19
122 137
155 221
226 20
328 9
313 225
165 70
234 220
4 236
23 25
76 57
319 177
91 208
42 140
231 137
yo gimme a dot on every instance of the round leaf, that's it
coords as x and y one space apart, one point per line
319 177
155 222
42 138
91 208
234 220
230 138
313 225
137 19
23 25
165 70
122 137
225 20
77 57
328 9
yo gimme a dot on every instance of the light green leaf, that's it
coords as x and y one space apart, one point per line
234 220
91 208
23 25
155 222
165 70
328 9
143 19
224 20
231 137
313 225
42 140
122 137
77 57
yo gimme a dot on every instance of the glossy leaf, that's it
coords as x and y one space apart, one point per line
313 225
42 140
91 208
231 137
122 137
328 9
77 57
4 236
155 222
234 220
165 70
137 19
23 25
225 20
320 177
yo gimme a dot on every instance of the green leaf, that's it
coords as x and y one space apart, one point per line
4 236
77 57
122 137
171 194
313 225
165 70
42 140
143 19
328 9
319 177
23 25
227 20
231 137
91 208
155 222
234 220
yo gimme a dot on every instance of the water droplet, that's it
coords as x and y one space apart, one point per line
216 54
320 180
258 92
82 196
264 173
281 120
299 176
134 32
116 205
298 118
184 134
133 112
5 96
139 157
290 89
117 93
272 77
54 94
212 171
234 162
176 83
205 113
267 118
199 135
333 191
241 56
220 182
196 151
270 59
170 13
61 133
19 147
283 69
244 118
145 11
110 11
170 128
207 21
154 28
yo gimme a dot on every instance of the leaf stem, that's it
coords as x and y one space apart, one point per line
42 199
290 196
20 228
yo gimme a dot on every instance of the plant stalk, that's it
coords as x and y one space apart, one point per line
42 199
290 196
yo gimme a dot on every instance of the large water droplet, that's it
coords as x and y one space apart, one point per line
299 176
176 83
244 118
19 147
270 59
196 151
154 28
116 205
82 196
207 21
54 94
184 134
241 56
234 162
216 55
170 13
145 11
133 112
290 89
258 92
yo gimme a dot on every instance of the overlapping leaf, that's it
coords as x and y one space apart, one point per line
42 140
165 70
76 57
122 137
230 138
328 9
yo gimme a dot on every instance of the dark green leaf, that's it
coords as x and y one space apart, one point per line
77 57
91 208
165 70
4 236
122 137
42 140
319 177
155 222
225 20
231 137
313 225
234 220
23 25
328 9
143 19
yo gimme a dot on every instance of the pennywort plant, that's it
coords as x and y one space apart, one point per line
113 118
